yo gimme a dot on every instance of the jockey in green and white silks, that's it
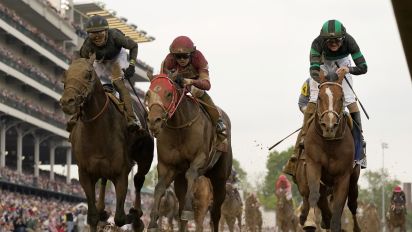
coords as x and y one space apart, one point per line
333 46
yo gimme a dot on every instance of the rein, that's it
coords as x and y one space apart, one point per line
101 111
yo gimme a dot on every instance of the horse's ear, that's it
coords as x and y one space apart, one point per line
64 75
149 75
92 58
341 75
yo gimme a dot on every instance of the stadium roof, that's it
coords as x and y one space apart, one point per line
403 16
130 30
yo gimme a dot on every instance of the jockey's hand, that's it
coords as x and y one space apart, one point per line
129 72
342 70
188 82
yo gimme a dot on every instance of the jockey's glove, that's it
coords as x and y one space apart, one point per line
129 71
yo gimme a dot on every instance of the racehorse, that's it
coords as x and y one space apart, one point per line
232 209
396 216
186 148
328 158
369 218
169 208
253 215
285 217
101 144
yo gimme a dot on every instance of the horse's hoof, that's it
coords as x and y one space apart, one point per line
104 216
187 215
310 229
138 225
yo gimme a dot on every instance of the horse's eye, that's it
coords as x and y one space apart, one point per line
169 95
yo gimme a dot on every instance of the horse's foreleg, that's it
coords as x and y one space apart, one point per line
103 215
323 205
353 197
340 193
166 175
191 175
239 221
88 184
313 173
120 185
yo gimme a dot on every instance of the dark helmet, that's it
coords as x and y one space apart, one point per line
96 23
182 44
333 29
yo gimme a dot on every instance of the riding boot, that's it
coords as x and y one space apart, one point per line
133 122
357 118
290 166
72 122
211 108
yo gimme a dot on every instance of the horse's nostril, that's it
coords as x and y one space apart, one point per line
158 120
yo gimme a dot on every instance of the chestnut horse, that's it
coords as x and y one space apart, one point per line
253 215
396 216
285 215
169 208
186 148
232 209
101 144
329 159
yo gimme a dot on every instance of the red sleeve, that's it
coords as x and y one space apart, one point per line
200 62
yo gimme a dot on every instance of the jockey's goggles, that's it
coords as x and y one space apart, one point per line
183 56
334 40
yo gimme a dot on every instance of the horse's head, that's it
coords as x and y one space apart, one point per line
330 105
79 81
161 100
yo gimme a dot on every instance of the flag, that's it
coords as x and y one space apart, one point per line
384 145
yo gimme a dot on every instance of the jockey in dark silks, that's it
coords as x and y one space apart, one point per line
233 180
109 46
332 49
398 195
189 66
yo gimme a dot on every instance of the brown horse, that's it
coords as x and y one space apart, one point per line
185 148
328 159
169 208
369 218
396 216
232 209
253 215
101 144
285 216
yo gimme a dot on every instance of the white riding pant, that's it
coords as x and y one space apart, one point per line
330 66
104 68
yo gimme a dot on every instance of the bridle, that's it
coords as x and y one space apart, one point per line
338 115
85 89
170 110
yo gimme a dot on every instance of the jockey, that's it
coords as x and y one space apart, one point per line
333 46
233 180
185 62
283 186
110 46
397 191
290 166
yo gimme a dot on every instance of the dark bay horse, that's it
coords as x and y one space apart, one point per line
253 215
185 148
285 215
396 216
329 162
169 208
232 209
101 144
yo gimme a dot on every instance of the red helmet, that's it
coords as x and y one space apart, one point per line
397 189
182 44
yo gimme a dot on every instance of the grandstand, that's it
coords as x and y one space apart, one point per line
37 40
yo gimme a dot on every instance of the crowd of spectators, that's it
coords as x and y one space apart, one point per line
24 66
22 25
28 106
42 182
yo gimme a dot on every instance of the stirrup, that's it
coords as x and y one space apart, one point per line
220 126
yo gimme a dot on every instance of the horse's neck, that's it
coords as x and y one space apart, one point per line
186 111
96 103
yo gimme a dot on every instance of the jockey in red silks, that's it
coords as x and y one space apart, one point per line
283 186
